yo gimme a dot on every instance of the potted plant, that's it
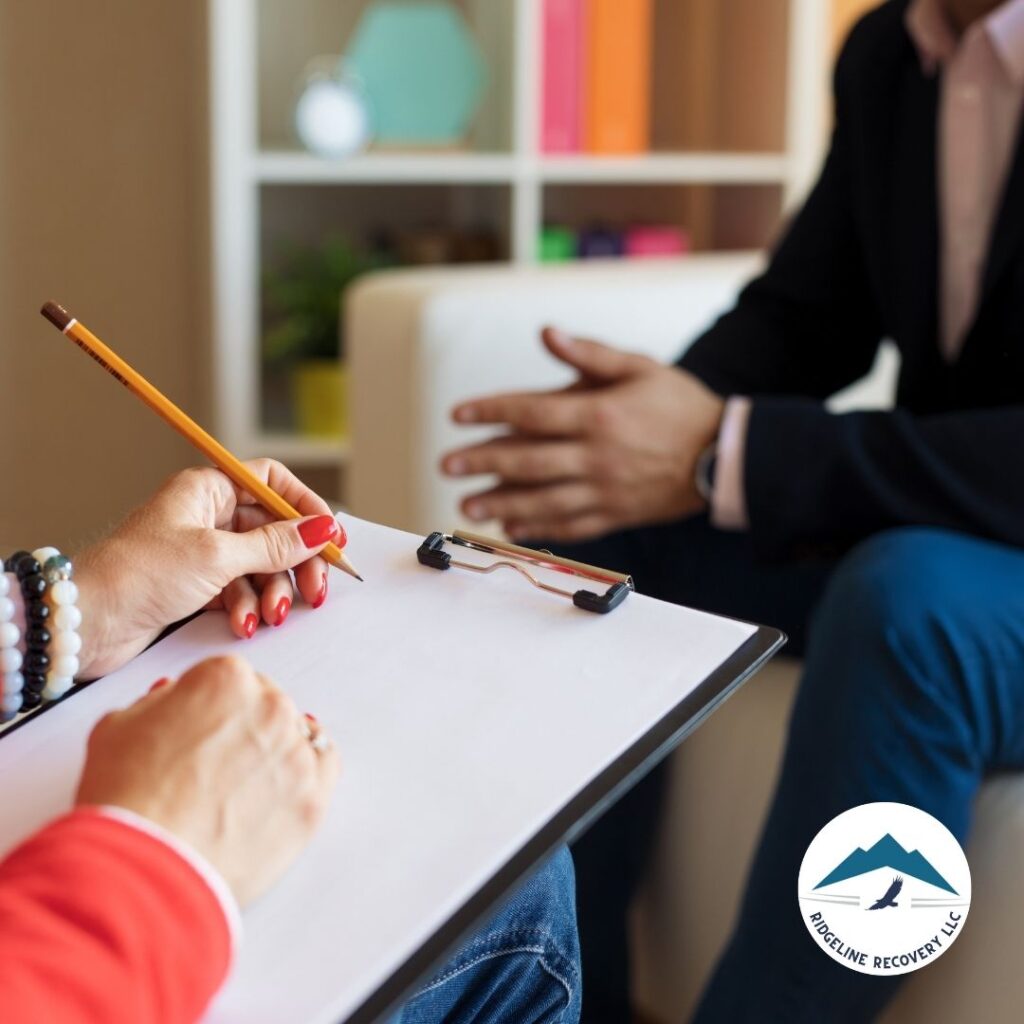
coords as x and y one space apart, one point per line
302 337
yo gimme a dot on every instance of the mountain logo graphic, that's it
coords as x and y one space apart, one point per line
886 853
884 889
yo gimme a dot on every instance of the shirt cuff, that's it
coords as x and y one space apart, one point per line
728 495
203 868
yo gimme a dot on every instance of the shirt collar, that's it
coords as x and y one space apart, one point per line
936 42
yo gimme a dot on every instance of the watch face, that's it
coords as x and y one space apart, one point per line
331 119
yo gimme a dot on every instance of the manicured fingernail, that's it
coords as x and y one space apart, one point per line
158 684
455 466
284 606
317 532
311 718
342 539
476 511
560 338
249 626
322 596
465 414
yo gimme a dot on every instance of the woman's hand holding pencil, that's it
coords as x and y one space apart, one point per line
264 493
201 542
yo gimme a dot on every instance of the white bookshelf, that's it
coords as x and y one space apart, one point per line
514 176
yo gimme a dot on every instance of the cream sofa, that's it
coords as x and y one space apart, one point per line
421 340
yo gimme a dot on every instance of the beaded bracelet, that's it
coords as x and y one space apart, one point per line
11 679
65 618
37 636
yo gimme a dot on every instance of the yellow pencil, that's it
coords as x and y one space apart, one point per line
185 425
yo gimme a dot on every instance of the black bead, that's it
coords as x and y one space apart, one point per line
34 681
12 562
31 699
37 637
36 662
26 566
37 612
33 586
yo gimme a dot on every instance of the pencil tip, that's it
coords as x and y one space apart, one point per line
360 578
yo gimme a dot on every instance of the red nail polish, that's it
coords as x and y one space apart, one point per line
250 625
322 596
284 606
342 539
318 531
158 684
311 718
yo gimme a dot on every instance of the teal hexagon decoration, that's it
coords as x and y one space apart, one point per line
421 69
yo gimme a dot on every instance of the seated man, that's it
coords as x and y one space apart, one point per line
724 482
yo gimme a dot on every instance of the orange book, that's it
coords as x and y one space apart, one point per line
618 76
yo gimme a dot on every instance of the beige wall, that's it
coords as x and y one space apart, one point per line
103 195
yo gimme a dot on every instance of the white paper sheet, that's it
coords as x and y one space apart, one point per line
467 709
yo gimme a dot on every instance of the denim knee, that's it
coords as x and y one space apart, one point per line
900 631
901 590
524 965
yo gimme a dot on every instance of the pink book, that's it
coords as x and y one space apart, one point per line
562 85
654 240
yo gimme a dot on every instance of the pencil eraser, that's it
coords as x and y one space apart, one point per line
57 315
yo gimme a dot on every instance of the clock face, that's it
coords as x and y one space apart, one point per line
331 119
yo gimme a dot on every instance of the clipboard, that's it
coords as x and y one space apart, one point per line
430 683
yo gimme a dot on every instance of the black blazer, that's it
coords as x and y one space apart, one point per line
860 263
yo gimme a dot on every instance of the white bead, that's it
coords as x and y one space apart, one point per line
66 665
67 616
65 642
56 686
6 609
5 584
64 592
42 554
9 634
10 660
12 682
10 703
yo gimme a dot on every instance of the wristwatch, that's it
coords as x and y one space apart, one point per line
704 471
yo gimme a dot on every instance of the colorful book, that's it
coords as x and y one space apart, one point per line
562 108
618 75
599 243
557 244
650 241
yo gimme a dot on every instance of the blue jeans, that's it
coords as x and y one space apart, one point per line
913 691
523 968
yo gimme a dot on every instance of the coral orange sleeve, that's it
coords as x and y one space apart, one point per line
100 921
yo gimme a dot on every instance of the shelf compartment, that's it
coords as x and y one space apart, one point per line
716 217
289 33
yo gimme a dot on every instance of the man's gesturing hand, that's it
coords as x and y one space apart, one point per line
616 449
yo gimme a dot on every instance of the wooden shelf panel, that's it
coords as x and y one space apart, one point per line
668 168
285 167
295 449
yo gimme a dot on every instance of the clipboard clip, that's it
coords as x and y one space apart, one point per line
432 554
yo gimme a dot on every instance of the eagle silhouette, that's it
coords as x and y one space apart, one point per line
889 899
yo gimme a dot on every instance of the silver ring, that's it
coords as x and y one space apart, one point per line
317 738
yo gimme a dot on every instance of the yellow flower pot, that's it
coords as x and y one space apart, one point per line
320 396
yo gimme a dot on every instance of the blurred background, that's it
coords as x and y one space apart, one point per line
200 181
